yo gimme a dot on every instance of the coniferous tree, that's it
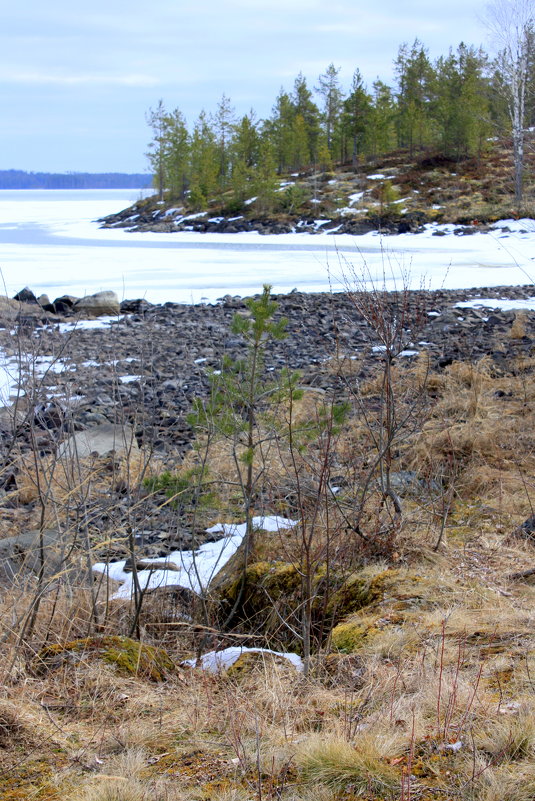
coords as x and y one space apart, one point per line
176 155
329 89
414 75
265 181
304 105
205 163
355 120
155 154
301 156
382 116
280 130
223 127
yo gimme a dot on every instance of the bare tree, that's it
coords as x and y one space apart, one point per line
511 24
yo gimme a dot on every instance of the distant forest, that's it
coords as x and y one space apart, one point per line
18 179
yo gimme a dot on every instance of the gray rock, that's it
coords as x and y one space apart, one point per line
99 440
98 304
20 556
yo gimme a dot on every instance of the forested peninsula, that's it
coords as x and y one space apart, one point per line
451 140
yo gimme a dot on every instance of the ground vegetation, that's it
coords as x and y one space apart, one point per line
406 584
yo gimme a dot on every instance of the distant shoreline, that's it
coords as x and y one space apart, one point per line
20 179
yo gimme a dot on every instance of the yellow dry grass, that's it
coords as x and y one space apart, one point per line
440 689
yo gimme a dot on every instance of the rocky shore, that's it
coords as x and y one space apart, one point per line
151 361
143 218
137 372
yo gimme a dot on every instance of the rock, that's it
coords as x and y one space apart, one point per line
129 657
43 300
25 296
527 529
99 440
98 304
11 309
67 300
150 564
20 556
138 306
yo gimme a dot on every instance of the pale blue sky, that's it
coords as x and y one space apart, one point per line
76 80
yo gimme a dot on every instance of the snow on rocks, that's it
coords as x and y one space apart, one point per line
217 661
504 304
197 568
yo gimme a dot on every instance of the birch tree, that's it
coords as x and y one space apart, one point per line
511 24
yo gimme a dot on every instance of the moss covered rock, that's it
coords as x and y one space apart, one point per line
129 657
267 593
351 635
254 661
359 590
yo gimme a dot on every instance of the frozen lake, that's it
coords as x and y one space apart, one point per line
50 242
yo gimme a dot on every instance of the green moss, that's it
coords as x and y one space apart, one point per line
352 634
251 662
359 590
129 657
272 591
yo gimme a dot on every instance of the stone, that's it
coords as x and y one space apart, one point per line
98 304
25 296
20 556
128 657
527 529
99 440
150 564
137 306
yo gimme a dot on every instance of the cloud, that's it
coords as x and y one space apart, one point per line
82 79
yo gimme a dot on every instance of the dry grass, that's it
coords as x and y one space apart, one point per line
338 764
447 659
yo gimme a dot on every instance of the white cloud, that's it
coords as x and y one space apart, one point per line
40 78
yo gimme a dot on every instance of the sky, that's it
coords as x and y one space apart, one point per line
77 79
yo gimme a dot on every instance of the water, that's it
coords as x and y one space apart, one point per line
49 240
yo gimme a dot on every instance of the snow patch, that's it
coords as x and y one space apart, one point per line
197 568
217 661
504 304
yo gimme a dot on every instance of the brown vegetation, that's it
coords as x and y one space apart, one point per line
420 682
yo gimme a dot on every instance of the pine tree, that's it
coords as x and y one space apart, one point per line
223 127
280 131
414 73
300 157
355 120
382 132
155 154
329 89
304 105
205 163
176 156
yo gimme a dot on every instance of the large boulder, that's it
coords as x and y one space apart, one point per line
99 440
98 304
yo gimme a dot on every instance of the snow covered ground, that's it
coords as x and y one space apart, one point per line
50 242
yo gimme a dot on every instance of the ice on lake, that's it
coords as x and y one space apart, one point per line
51 242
